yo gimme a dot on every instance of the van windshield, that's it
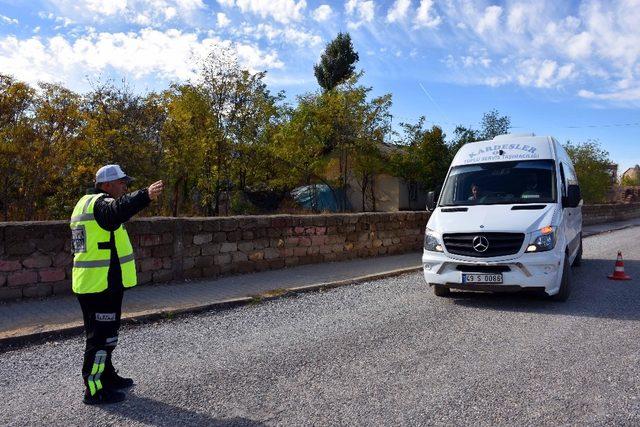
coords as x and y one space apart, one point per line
528 181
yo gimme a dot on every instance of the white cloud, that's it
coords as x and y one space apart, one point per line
398 10
632 94
490 20
288 34
283 11
226 3
543 74
7 20
322 13
222 20
169 55
140 12
426 16
362 11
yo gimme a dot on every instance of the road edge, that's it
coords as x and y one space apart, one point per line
14 342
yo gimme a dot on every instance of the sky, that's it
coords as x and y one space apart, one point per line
570 69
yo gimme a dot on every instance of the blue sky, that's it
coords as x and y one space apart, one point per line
567 69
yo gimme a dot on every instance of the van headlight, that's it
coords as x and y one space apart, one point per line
431 242
543 239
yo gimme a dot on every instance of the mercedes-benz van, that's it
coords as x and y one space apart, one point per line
508 218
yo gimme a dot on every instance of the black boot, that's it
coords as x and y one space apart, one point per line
114 381
103 397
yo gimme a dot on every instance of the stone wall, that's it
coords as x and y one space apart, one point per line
35 257
600 214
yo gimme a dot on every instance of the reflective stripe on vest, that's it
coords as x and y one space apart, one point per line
90 263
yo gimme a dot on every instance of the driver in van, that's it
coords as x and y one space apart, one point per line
475 192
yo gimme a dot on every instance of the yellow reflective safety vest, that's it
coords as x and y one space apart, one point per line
91 263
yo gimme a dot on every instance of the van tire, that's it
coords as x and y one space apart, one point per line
565 282
441 291
578 259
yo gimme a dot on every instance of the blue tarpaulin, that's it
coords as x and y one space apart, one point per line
318 197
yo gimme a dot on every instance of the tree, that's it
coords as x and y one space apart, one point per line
336 63
591 163
423 157
493 125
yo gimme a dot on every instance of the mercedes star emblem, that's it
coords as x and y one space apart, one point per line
480 243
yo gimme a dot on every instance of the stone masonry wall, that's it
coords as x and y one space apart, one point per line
35 257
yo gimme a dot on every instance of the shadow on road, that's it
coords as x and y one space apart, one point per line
592 295
156 413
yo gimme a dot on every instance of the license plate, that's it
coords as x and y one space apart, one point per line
481 278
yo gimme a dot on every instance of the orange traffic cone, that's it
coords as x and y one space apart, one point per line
618 271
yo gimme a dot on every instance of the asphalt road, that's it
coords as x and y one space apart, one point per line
386 352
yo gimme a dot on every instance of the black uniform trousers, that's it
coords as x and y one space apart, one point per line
101 312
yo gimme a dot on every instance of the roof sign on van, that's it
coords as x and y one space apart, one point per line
498 152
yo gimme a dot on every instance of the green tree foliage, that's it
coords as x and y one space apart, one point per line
591 163
336 63
423 156
493 124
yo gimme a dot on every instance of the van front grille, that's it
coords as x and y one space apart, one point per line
497 244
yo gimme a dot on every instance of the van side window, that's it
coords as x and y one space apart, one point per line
563 180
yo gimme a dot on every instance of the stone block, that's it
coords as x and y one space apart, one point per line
210 249
20 278
200 239
245 267
7 294
228 247
245 247
150 239
239 257
278 222
291 261
37 291
10 265
167 263
304 241
298 231
62 259
291 241
256 255
247 235
313 250
220 237
204 261
192 251
261 244
20 248
50 244
234 236
300 251
318 240
277 263
151 264
212 271
192 273
51 275
188 263
61 288
37 260
162 276
145 277
3 279
162 251
222 259
229 224
271 253
167 238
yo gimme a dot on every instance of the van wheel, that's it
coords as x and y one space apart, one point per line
578 259
565 282
441 291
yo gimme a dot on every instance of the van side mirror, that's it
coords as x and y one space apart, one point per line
431 201
573 197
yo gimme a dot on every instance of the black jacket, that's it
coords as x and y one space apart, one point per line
112 213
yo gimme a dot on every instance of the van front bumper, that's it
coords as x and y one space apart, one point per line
532 271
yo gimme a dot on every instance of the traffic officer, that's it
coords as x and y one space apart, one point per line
103 267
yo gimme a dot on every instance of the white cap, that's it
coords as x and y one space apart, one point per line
110 173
